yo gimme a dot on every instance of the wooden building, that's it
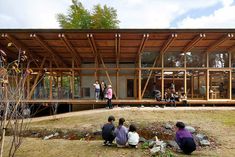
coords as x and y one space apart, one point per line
66 63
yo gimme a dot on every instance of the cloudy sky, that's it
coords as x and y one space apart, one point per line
131 13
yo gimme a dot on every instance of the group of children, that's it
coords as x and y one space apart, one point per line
123 137
130 138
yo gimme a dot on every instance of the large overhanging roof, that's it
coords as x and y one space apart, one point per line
115 45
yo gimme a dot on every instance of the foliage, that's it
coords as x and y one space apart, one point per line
80 18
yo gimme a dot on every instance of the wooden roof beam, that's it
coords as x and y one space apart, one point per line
117 47
142 45
168 43
70 48
55 56
20 46
219 42
193 42
94 50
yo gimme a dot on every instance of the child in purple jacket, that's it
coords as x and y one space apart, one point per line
184 139
121 133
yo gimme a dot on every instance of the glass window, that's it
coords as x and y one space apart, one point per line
147 59
195 59
218 60
174 59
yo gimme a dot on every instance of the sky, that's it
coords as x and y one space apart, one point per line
131 13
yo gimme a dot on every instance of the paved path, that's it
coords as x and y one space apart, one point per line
79 113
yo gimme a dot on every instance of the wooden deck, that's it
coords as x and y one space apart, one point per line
129 102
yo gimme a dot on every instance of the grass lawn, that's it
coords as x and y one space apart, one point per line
219 125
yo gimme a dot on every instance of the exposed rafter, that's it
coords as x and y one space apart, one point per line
94 48
219 42
168 43
141 47
193 42
70 49
19 45
117 47
45 46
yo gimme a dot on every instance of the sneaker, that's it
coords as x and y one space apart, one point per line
109 144
105 143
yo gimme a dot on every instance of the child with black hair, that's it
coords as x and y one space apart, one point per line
133 137
108 131
184 139
121 134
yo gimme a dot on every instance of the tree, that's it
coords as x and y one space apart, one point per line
80 18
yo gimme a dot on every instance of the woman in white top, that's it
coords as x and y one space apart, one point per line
133 137
97 90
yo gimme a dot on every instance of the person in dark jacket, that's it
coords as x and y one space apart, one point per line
184 139
108 131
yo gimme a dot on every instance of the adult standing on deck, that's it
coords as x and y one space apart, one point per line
97 90
102 90
109 97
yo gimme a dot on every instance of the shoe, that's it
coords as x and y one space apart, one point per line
109 144
105 143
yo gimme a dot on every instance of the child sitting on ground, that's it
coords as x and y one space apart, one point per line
184 139
133 137
121 134
108 131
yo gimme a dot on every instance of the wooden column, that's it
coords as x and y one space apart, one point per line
230 84
72 80
185 75
28 85
162 82
192 86
51 75
162 75
207 77
230 75
185 83
139 77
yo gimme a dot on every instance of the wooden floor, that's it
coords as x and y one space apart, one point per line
129 102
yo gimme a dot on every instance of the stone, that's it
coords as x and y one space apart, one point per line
151 144
168 126
204 143
190 129
142 139
201 137
155 150
172 144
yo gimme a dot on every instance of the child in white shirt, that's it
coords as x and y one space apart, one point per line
133 137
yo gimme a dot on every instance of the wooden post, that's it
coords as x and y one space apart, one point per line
207 77
162 74
72 80
162 82
230 84
139 77
207 84
36 79
51 75
185 75
185 83
230 75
